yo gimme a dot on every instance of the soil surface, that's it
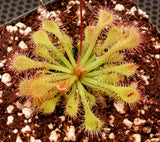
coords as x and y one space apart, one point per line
140 122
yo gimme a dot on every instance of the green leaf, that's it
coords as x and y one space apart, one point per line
111 79
49 105
113 36
90 60
116 57
22 63
37 88
92 123
130 39
124 69
41 37
89 33
52 27
66 42
105 18
99 86
36 102
127 69
91 98
43 52
127 94
72 103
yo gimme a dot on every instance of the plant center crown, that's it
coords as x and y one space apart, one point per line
79 72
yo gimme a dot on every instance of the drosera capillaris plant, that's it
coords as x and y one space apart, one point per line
63 75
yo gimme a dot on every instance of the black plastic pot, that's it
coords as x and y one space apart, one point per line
33 8
152 7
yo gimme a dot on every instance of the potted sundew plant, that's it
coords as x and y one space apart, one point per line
68 73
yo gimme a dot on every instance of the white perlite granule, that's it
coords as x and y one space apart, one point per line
6 78
62 118
22 45
54 135
15 131
50 126
10 40
145 78
9 49
19 139
27 112
25 121
44 14
11 28
107 130
147 129
32 139
27 30
111 136
19 105
71 2
104 135
10 120
36 125
70 134
30 120
119 105
1 92
83 12
138 121
21 25
155 140
25 129
111 120
136 137
77 2
141 12
119 7
53 14
21 32
10 108
157 56
16 38
127 123
2 63
142 111
78 14
144 28
132 10
157 46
